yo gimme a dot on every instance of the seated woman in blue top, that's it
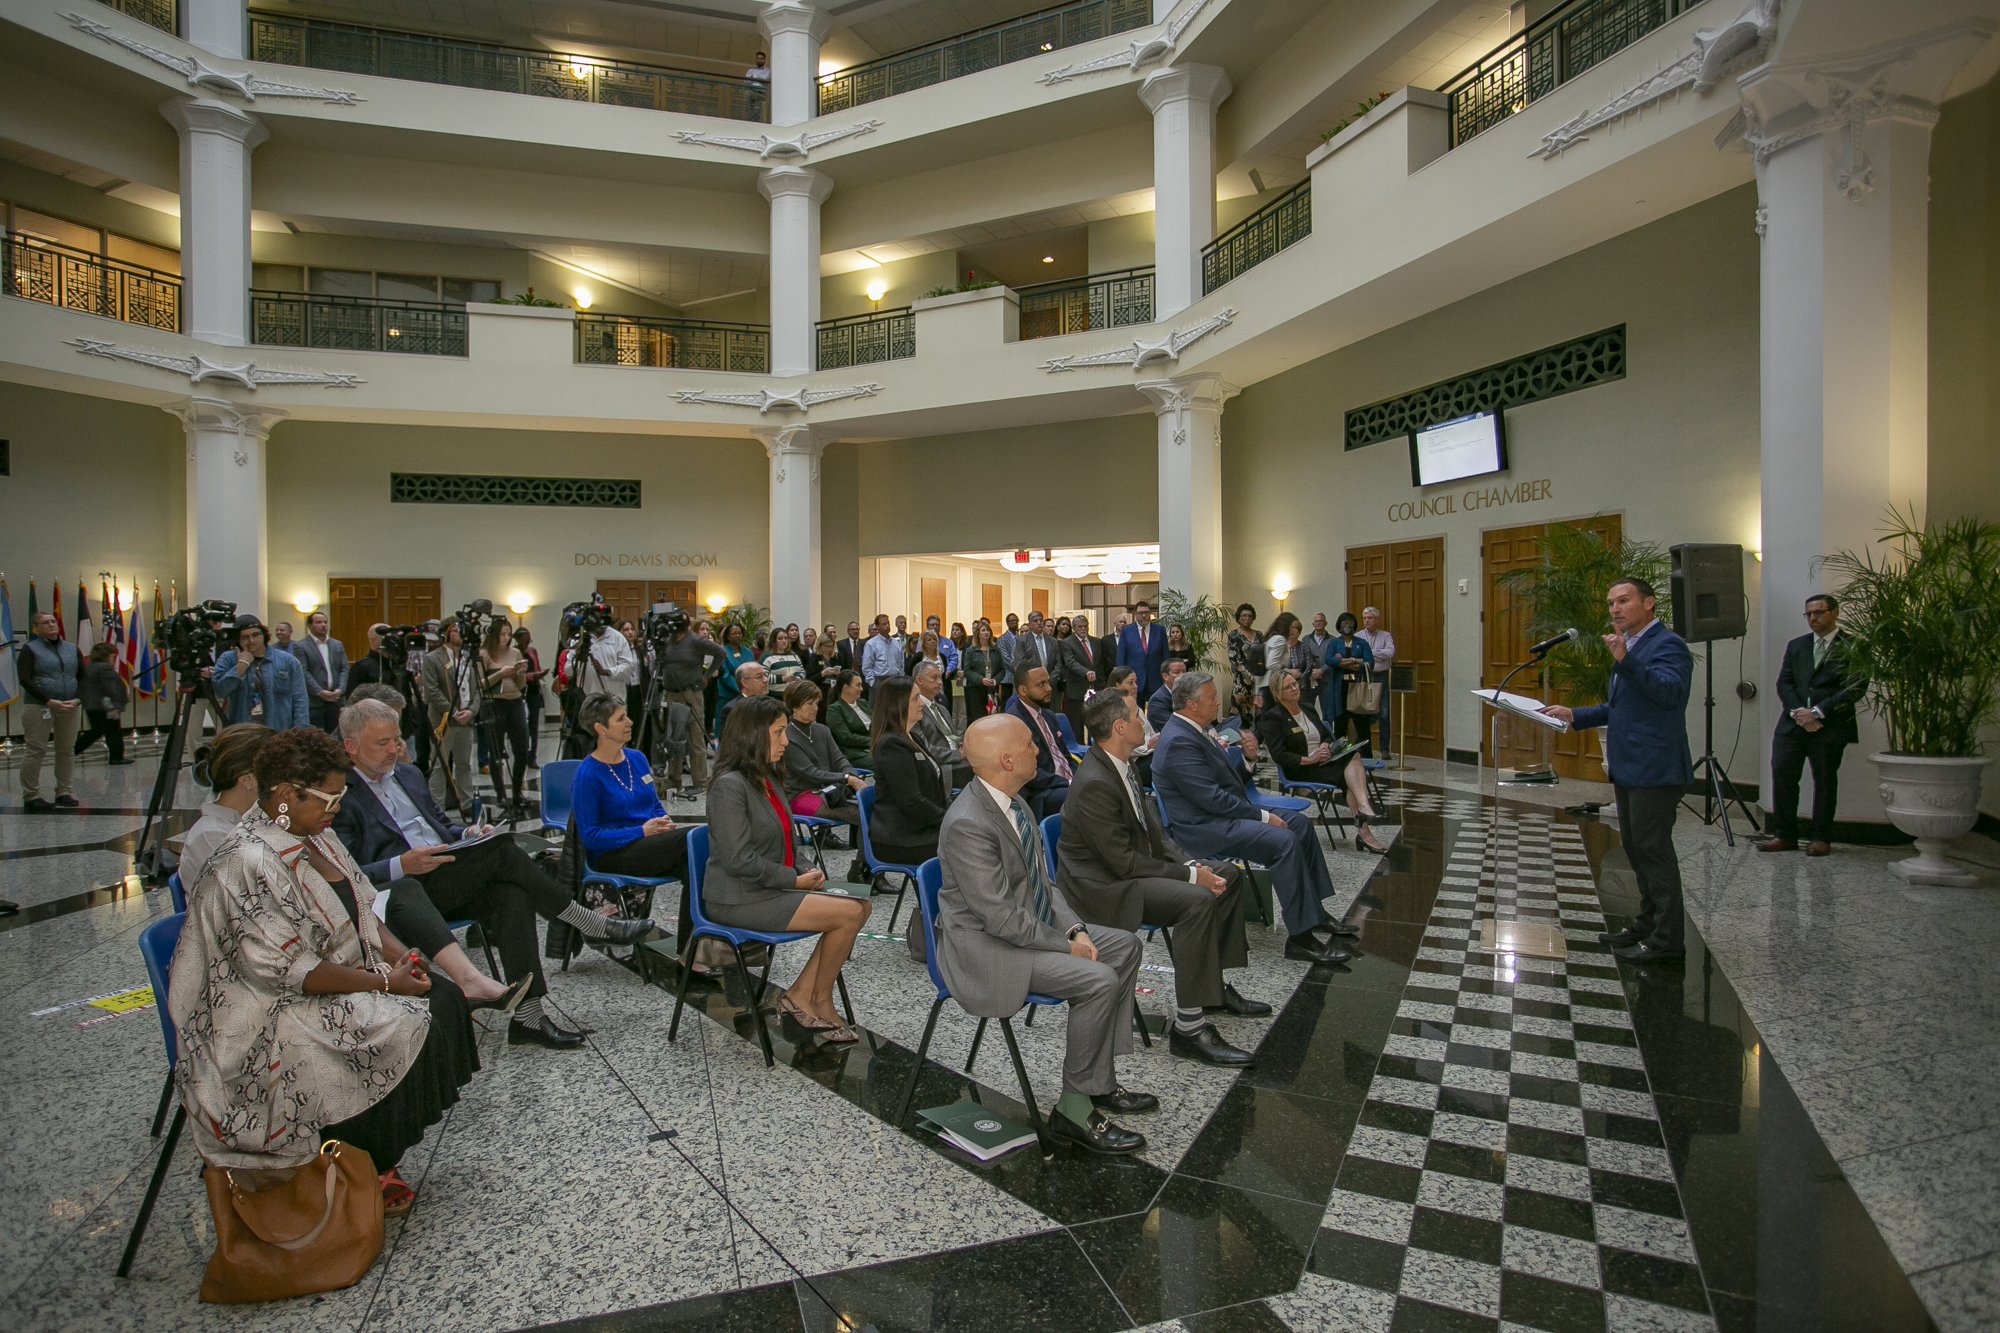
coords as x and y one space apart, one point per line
619 819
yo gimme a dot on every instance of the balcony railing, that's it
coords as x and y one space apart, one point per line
982 48
162 14
319 44
675 344
1547 54
1100 301
357 323
860 340
78 280
1282 222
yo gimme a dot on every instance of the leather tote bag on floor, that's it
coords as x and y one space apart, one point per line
319 1231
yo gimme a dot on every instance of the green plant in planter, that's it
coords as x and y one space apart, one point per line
1567 586
527 298
753 618
962 287
1924 627
1203 620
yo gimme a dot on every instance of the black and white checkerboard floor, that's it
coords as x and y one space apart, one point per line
1508 1170
1425 801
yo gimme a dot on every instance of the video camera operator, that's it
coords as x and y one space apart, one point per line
254 684
682 660
388 648
452 697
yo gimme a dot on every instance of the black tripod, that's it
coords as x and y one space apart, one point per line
1718 791
150 857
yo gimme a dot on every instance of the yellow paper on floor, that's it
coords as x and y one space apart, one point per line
124 1000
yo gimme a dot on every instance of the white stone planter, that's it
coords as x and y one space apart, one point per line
1933 800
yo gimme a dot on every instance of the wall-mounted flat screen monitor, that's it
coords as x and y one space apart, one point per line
1468 446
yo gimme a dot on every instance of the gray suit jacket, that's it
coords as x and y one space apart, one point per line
1079 656
1030 650
934 731
316 678
987 929
813 760
746 845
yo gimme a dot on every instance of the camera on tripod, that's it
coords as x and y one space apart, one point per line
585 618
473 619
398 641
659 627
190 636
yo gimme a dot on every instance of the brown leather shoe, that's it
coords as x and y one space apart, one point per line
1818 849
1780 845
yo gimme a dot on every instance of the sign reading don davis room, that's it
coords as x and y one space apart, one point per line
643 560
1472 498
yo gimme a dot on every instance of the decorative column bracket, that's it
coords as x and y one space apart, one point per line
199 368
219 414
783 443
798 400
1144 352
244 83
1141 51
767 147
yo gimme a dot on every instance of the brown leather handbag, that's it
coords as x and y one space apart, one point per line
318 1231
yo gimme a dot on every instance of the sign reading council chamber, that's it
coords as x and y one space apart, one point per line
640 560
1476 497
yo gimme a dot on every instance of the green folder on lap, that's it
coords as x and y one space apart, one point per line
976 1130
843 889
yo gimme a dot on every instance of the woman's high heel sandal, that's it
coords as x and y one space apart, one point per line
791 1012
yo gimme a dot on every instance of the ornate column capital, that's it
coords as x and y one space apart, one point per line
797 440
776 183
1202 389
1208 84
201 115
794 16
242 419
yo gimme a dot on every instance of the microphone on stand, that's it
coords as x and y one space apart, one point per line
1558 641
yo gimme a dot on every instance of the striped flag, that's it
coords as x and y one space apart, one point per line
135 661
10 684
114 627
86 628
164 674
33 610
55 608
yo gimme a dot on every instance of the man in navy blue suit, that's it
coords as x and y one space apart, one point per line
1647 754
1049 788
1142 645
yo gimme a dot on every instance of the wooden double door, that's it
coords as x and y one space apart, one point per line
1404 581
355 604
1504 632
629 599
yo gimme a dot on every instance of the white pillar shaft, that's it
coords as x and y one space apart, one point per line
795 194
1183 101
227 556
1189 408
216 143
795 527
794 31
216 26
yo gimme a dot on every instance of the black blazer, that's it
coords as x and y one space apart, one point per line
1107 847
1831 688
910 794
1281 737
847 654
1105 654
371 836
1045 778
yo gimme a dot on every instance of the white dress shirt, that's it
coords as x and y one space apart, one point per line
201 841
410 822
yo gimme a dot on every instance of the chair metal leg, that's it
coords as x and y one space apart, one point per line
1167 935
681 991
757 1001
152 1192
899 904
1031 1014
1139 1016
492 963
910 1084
166 1098
978 1035
840 982
1027 1092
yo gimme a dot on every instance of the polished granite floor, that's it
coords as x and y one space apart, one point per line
1427 1141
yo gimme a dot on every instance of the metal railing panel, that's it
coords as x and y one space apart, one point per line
357 324
1283 222
642 340
59 275
1100 301
161 14
860 340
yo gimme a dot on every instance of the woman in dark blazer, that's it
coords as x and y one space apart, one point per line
849 719
981 663
813 762
753 878
910 789
1302 747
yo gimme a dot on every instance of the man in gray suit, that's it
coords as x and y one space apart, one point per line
1004 929
1036 647
325 661
1079 669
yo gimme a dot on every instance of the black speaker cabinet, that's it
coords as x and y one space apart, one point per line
1708 592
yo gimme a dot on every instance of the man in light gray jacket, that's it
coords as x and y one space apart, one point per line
1004 929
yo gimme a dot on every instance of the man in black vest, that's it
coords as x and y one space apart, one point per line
1819 694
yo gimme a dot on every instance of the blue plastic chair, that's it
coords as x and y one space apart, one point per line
1324 796
1069 741
930 882
557 776
179 895
875 867
592 875
156 946
1052 828
1256 908
736 937
815 827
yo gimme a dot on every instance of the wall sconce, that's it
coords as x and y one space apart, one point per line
1758 556
877 290
520 603
305 603
578 70
583 298
716 603
1282 591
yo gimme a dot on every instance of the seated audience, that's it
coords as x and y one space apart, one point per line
620 822
1302 747
935 730
1005 928
103 695
1211 815
984 669
1044 792
911 787
813 762
1119 867
1161 706
754 878
254 684
848 717
226 765
752 682
284 979
392 826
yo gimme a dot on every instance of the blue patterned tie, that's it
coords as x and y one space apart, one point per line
1031 852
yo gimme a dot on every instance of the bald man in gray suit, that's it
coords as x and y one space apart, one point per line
1004 929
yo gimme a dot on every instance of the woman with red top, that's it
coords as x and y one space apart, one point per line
756 879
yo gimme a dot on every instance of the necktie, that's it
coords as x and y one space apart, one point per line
1138 797
1060 759
1819 649
1031 852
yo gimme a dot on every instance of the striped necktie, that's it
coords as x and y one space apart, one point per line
1031 852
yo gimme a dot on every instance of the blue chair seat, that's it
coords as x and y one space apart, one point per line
591 875
179 895
557 777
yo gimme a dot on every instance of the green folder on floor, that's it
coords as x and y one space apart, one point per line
977 1130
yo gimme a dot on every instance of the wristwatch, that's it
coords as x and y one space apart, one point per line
1075 931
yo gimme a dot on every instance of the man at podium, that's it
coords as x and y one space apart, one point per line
1647 755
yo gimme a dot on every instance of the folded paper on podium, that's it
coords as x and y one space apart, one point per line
1520 705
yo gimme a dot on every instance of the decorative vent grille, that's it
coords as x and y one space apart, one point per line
1595 358
426 488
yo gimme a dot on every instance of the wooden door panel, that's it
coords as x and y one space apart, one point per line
352 606
624 598
412 601
1038 600
680 592
1505 646
1403 582
989 602
931 599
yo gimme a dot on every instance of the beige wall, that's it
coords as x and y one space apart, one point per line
1673 446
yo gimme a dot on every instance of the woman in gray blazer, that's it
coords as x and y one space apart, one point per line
813 762
754 879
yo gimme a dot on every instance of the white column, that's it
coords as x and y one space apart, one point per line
226 530
1183 101
217 26
216 141
1190 411
1843 186
795 194
795 542
794 31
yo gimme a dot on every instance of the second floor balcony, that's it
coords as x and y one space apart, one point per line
1282 222
860 340
62 275
673 344
357 323
1078 305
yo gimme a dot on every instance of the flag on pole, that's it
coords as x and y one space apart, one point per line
10 684
86 628
173 596
140 665
107 605
162 675
33 610
55 608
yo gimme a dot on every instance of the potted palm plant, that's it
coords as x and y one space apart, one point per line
1204 622
1923 625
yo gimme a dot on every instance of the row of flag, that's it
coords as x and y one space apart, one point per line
125 626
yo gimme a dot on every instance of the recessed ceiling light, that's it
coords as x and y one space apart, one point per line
1048 259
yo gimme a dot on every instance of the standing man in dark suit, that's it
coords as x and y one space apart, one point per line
1034 647
1647 754
1080 673
848 653
1819 695
1120 869
1047 790
1105 650
325 661
1142 645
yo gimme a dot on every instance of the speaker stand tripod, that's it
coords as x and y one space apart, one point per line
1718 791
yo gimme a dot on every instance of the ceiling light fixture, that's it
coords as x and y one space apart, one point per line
1020 562
1073 569
1114 575
583 298
877 290
1048 259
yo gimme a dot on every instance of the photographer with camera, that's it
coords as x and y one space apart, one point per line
682 659
51 672
452 697
254 684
